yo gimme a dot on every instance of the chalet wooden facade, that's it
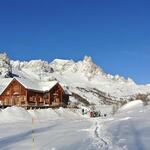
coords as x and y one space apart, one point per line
25 93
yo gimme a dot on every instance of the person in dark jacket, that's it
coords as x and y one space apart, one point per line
82 111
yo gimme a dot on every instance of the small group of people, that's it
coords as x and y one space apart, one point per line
92 113
95 114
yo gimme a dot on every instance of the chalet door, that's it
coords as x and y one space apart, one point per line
6 101
15 100
57 100
55 97
22 100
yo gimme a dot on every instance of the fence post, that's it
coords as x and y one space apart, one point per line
33 138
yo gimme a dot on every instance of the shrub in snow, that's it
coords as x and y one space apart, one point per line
144 97
148 98
114 109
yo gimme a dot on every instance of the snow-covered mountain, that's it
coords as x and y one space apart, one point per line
83 78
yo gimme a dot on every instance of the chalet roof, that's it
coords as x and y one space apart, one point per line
36 85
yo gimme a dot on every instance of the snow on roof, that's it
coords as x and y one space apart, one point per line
36 85
46 86
4 82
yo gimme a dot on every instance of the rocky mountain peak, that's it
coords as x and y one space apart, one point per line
90 68
5 67
87 59
4 57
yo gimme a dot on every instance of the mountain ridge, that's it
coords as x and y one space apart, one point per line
78 75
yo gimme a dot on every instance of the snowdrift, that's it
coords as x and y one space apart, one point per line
131 106
14 114
17 114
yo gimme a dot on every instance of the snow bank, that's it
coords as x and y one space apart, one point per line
137 104
16 114
43 114
52 114
67 113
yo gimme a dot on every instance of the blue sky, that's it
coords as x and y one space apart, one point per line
115 33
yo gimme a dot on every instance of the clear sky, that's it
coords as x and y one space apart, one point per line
115 33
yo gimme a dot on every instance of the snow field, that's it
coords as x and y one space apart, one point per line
129 128
61 129
58 129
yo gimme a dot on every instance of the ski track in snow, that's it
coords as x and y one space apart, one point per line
98 136
101 138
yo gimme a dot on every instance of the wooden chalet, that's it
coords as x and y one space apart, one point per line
28 93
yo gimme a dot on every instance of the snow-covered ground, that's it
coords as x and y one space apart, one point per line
64 129
129 129
49 135
60 129
67 129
